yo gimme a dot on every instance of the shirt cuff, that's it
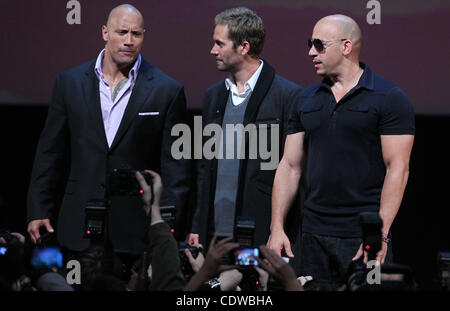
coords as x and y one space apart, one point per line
156 222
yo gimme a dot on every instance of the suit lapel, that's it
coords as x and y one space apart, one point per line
141 91
261 88
221 100
92 98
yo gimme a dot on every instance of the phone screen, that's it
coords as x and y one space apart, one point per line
244 257
47 257
3 250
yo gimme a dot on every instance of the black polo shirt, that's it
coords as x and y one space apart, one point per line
345 169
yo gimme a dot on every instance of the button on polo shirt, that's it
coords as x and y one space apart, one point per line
345 169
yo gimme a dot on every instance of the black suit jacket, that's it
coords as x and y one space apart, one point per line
73 143
269 104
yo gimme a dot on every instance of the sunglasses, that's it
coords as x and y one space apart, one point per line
319 45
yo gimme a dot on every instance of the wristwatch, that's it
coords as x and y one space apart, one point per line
214 284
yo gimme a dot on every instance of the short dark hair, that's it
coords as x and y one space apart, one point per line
244 25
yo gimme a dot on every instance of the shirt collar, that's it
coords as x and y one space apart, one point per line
249 85
365 81
132 75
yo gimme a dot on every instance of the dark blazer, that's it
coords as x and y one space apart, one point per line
269 104
73 150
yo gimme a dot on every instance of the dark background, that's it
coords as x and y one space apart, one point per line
410 47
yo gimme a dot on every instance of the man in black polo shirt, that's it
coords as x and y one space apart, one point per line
357 131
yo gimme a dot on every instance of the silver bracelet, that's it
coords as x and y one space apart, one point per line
385 239
214 283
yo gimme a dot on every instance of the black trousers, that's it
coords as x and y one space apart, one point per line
327 259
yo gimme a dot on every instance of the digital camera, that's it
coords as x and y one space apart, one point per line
123 182
246 257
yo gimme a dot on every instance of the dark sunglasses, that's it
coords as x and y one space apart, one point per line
319 45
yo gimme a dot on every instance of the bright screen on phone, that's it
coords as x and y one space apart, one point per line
47 257
245 257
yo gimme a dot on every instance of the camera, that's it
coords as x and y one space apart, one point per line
94 226
244 231
186 267
168 215
246 257
123 182
123 199
387 276
371 225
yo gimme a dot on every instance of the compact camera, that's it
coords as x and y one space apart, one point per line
371 225
186 267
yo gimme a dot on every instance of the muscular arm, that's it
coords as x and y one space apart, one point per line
285 187
396 154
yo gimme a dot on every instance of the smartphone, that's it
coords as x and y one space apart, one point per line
50 257
246 257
